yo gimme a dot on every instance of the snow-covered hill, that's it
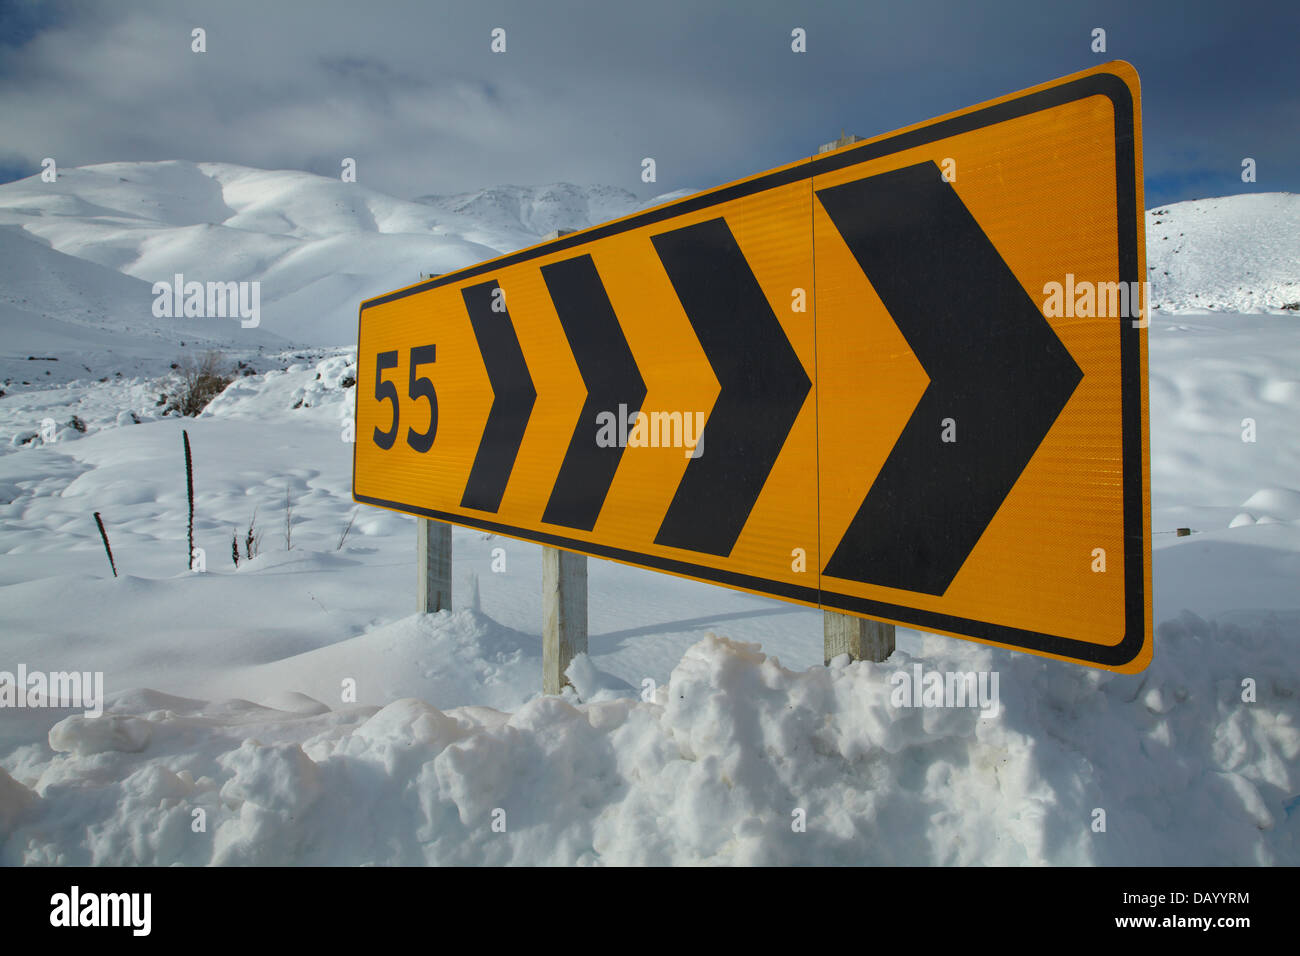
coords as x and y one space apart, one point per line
537 210
1233 254
318 246
64 318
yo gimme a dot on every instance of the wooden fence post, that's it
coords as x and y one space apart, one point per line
862 639
564 605
433 558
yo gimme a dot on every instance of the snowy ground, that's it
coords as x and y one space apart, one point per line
226 689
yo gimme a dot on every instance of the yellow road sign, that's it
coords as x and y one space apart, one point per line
904 379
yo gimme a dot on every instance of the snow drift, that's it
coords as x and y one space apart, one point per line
719 768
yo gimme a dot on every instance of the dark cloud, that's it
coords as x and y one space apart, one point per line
585 90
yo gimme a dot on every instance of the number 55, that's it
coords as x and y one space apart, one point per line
417 387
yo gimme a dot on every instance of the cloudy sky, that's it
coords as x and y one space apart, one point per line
710 89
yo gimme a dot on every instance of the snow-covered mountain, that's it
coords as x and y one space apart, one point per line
317 246
81 254
64 318
537 210
78 258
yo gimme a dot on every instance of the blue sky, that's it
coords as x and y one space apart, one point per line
584 91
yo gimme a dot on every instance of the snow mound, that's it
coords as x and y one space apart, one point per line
96 735
590 684
15 799
1279 503
737 760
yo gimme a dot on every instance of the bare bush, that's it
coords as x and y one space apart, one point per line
253 540
195 382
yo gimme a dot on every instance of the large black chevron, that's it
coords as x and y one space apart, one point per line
763 386
612 379
995 366
513 395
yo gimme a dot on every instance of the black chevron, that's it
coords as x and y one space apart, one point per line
996 368
609 371
763 387
513 395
